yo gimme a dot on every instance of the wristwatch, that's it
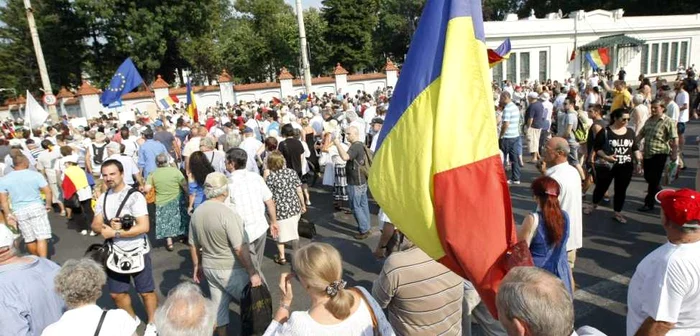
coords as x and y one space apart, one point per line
285 306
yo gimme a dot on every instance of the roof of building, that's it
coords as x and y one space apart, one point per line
65 93
390 66
367 76
284 74
160 83
256 86
315 80
620 40
339 70
87 89
225 77
138 95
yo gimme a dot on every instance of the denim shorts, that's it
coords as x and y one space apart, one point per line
143 281
681 128
573 154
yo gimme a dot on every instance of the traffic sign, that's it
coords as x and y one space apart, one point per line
50 99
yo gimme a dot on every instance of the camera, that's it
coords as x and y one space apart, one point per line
127 222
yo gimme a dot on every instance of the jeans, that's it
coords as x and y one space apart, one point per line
653 170
357 195
511 148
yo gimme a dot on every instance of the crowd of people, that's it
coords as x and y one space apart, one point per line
239 176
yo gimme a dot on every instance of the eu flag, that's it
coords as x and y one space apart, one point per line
126 79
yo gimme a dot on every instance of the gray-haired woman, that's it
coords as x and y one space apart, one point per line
171 187
80 284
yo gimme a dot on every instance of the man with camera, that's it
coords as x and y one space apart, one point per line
121 215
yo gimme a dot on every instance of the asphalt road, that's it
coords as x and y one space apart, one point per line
604 266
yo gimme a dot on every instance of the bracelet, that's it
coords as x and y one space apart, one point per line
285 307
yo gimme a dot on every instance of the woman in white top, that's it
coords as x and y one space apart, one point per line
79 283
335 310
640 114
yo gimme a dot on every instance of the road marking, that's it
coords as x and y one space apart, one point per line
611 288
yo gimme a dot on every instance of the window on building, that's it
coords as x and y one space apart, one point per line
644 66
543 66
512 68
683 58
674 56
655 58
498 72
524 66
664 57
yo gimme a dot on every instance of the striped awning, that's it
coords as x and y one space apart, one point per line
620 40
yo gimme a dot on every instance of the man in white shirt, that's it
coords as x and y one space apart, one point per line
555 156
683 101
370 114
192 145
251 145
672 109
664 292
548 107
131 171
249 196
317 121
593 80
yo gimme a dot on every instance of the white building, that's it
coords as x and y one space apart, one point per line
542 47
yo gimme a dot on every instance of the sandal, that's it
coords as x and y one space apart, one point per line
169 247
589 209
620 219
280 261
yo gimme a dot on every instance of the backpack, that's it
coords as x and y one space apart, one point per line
366 164
581 131
98 152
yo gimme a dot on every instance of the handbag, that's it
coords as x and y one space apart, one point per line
600 162
306 228
375 324
256 310
151 195
73 202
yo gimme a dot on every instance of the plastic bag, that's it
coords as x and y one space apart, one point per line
670 172
256 310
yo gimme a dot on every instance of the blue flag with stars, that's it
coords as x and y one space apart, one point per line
126 79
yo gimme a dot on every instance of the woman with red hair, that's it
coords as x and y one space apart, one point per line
547 230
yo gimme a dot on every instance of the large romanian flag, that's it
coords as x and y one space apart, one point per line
437 172
191 104
499 54
598 58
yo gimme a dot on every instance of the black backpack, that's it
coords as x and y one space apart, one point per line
99 152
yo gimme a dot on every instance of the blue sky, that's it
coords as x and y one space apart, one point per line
306 3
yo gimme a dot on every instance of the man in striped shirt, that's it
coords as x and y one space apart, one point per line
509 138
422 296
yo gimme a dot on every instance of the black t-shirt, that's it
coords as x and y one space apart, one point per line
292 150
690 84
166 138
356 152
622 146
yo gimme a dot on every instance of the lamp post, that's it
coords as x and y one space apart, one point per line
40 59
302 42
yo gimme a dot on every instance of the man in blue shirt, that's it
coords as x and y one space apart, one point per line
23 187
536 122
148 152
509 138
29 302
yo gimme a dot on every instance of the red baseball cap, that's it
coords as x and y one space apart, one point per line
682 207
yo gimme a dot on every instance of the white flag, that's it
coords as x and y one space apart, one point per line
34 113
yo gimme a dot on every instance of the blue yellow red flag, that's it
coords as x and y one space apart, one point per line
598 58
191 104
437 171
499 54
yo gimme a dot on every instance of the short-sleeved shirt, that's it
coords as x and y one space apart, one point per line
135 206
167 182
247 196
511 114
198 192
536 112
292 149
666 287
622 146
621 99
147 156
673 111
23 187
283 184
657 132
218 230
356 152
167 139
564 119
683 98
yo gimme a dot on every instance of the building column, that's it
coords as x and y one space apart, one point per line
286 83
341 79
226 88
392 73
161 90
89 98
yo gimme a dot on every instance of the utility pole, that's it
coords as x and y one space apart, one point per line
302 42
50 99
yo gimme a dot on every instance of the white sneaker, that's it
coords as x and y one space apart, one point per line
308 202
84 232
93 233
150 330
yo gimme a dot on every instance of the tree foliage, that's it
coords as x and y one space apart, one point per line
350 27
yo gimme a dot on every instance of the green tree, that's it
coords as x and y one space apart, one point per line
61 34
349 35
398 20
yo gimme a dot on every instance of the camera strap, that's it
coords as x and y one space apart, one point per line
121 206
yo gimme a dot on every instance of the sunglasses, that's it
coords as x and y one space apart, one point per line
625 119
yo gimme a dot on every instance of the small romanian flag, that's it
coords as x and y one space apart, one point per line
191 104
169 101
501 53
598 58
437 172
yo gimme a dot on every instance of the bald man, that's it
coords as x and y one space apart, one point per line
555 157
186 312
356 156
